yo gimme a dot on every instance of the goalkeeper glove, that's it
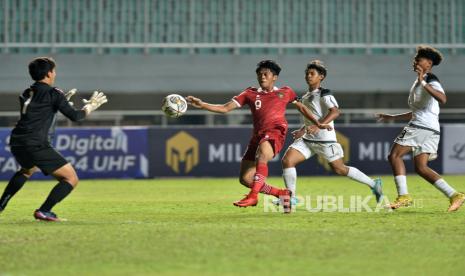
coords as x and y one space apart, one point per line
69 94
94 102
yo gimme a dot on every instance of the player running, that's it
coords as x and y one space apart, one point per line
323 105
422 133
268 106
30 140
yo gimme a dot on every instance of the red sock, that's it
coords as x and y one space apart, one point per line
269 190
259 178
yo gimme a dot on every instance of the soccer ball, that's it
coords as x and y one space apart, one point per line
174 105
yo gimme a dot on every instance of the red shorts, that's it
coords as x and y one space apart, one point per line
276 137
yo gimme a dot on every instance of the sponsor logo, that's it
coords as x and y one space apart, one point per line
182 148
458 152
82 145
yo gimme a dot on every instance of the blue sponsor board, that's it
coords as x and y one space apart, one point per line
197 151
115 152
369 148
157 152
218 151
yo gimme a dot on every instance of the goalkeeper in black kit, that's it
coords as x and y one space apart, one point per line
30 140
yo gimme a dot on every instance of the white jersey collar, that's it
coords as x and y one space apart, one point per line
314 91
260 90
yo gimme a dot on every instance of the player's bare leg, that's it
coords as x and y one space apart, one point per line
400 178
247 172
395 158
15 184
422 169
68 179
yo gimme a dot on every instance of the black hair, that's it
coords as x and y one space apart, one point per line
428 52
318 66
39 67
269 64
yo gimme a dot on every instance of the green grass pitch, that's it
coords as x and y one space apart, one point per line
190 227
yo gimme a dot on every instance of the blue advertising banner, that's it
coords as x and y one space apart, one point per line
198 151
117 152
368 149
125 152
218 151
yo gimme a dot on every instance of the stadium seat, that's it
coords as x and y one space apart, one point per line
343 22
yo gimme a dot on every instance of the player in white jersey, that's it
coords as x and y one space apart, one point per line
325 108
421 135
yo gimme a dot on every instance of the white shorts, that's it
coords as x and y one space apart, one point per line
421 140
330 151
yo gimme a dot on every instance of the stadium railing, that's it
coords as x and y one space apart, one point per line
201 118
230 26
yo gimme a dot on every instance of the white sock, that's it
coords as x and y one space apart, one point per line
290 179
359 176
401 184
442 186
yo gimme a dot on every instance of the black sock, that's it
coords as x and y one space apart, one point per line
58 193
15 184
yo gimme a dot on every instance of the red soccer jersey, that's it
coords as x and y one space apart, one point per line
268 108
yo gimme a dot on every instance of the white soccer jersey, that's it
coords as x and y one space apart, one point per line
319 101
425 108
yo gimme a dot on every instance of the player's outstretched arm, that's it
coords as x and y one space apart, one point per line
382 117
94 102
217 108
308 114
65 106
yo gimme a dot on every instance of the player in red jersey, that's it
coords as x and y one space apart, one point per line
268 106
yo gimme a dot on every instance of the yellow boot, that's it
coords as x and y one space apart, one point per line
401 201
456 201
